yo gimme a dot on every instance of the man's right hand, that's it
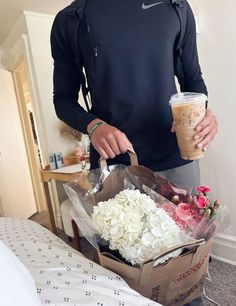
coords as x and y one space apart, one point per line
109 141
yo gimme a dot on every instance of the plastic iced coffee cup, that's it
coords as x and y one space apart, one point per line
188 110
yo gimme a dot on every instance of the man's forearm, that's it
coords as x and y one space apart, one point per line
72 113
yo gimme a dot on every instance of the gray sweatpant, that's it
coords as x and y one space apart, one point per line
187 176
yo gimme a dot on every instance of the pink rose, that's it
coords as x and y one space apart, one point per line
203 189
200 201
182 224
196 219
192 223
170 209
184 211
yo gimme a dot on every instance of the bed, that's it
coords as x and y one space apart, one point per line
63 276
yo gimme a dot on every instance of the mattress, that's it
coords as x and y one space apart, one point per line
62 275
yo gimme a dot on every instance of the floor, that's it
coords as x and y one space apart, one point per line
43 219
221 288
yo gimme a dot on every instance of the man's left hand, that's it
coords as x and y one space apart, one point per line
206 130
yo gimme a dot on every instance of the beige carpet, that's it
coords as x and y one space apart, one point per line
222 289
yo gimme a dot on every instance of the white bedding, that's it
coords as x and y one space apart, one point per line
63 276
17 286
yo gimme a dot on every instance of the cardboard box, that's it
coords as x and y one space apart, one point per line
175 283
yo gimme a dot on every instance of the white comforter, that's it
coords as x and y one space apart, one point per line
63 276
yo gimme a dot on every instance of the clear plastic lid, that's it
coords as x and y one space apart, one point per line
188 97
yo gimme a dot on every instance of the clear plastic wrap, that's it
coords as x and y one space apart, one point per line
82 193
102 186
196 213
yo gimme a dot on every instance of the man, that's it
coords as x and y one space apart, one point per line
130 73
131 79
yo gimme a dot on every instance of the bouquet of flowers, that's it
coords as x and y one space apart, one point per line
137 220
197 214
133 225
141 222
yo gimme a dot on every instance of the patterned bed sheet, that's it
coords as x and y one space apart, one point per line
63 276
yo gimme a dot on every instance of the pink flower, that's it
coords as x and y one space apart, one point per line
184 211
192 223
200 201
203 189
217 203
182 224
170 209
196 219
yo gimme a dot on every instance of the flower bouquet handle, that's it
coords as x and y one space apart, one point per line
133 160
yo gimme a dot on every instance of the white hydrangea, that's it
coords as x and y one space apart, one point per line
133 225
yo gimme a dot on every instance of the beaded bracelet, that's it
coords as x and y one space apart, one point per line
93 128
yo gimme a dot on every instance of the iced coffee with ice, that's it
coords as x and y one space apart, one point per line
188 111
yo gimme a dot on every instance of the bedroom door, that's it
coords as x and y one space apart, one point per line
16 189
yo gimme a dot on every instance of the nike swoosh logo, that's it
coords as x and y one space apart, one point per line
145 7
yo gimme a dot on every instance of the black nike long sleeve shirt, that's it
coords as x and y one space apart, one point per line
134 76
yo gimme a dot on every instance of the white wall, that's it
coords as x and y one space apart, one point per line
8 47
16 191
192 3
39 28
34 46
217 52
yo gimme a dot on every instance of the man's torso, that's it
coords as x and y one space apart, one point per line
133 62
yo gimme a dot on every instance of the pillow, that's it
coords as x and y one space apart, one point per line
16 283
